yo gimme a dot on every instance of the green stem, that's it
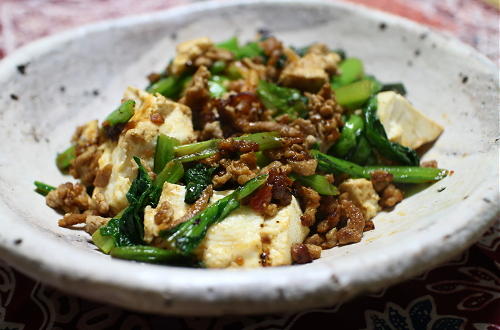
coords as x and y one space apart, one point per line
64 159
122 114
145 254
164 151
43 188
317 182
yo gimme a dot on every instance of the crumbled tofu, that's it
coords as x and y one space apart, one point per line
403 123
140 141
311 71
241 238
187 52
361 192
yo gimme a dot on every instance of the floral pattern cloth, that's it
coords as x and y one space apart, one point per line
463 293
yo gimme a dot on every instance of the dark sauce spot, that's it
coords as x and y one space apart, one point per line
486 200
465 79
22 68
382 26
423 36
441 189
14 97
417 52
62 89
95 92
465 197
173 36
409 63
18 241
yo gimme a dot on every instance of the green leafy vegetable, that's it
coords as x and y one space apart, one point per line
171 86
216 86
197 178
350 133
128 228
146 254
362 153
64 159
251 49
401 174
395 87
200 150
43 188
186 237
218 67
164 151
317 182
351 70
282 100
122 114
375 133
354 95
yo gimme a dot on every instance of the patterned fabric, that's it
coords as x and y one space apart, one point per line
461 294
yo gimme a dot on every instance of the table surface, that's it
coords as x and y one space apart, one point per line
463 293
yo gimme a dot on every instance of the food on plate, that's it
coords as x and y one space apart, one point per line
243 155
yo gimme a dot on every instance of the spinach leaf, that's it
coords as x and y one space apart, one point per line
282 99
197 178
375 133
251 49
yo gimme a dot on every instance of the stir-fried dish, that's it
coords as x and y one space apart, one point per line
244 155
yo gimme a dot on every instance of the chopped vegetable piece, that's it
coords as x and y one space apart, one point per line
351 70
350 133
43 188
401 174
375 133
354 95
318 183
251 49
218 67
362 153
265 140
127 228
233 72
342 53
170 86
122 114
186 237
146 254
216 86
164 151
197 178
64 159
282 100
196 156
104 243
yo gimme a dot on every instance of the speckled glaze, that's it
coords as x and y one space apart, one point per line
53 85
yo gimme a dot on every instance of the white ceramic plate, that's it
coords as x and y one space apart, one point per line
80 75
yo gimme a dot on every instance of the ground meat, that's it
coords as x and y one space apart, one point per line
369 225
86 136
353 231
238 110
99 205
309 201
304 167
300 254
281 186
429 163
211 130
325 114
380 180
71 219
86 165
260 201
102 176
231 146
315 239
198 206
69 198
273 48
94 222
390 196
197 95
314 251
274 165
156 118
212 55
235 170
164 215
330 239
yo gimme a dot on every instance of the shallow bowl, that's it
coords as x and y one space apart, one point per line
55 84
